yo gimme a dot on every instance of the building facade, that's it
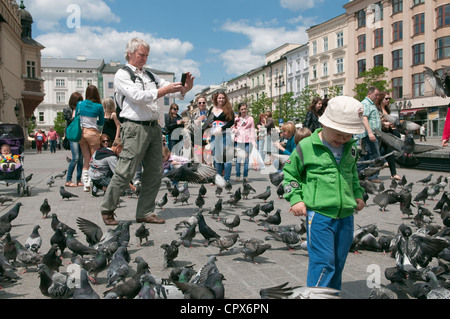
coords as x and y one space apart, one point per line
403 36
297 68
21 84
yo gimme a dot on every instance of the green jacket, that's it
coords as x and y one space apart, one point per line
318 181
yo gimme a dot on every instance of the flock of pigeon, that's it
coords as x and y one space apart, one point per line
82 259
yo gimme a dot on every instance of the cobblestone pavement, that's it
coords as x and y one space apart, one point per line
244 279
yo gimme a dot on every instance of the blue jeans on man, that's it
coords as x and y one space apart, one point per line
373 152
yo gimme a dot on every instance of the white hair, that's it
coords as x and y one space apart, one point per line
133 45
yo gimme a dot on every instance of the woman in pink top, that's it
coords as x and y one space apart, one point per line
244 129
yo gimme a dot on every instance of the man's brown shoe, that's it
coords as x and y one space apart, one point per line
108 219
152 219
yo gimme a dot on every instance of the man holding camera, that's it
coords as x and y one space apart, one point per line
140 132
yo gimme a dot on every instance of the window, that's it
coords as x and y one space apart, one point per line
397 6
418 84
340 39
110 85
60 97
361 17
325 69
79 83
41 116
31 69
378 60
362 43
397 59
418 53
397 88
314 72
314 44
340 65
417 2
361 66
60 83
419 23
325 44
378 35
443 15
443 47
397 31
89 82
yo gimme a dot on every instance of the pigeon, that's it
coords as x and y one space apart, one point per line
235 198
405 200
217 209
182 198
209 268
58 283
59 239
199 201
29 177
407 148
298 292
7 271
267 208
55 223
65 194
191 172
187 234
252 212
276 178
289 237
118 268
253 247
386 198
422 195
4 199
274 219
34 241
232 222
93 232
246 189
440 204
175 192
218 191
5 227
228 186
61 175
51 258
45 208
27 257
440 84
206 231
369 171
12 214
170 253
426 180
94 265
202 190
280 191
9 249
163 201
402 182
433 191
212 289
142 233
84 290
437 290
224 242
78 247
182 274
51 181
264 195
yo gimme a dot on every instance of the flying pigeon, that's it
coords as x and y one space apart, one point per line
440 84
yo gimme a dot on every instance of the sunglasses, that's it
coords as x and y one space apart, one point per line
201 102
105 141
174 109
387 98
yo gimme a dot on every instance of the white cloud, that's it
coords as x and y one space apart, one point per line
296 5
50 15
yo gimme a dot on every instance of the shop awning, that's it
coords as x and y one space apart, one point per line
411 111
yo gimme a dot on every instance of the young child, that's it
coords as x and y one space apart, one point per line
8 160
102 166
301 133
321 183
169 160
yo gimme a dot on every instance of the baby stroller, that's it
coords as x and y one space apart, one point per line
12 134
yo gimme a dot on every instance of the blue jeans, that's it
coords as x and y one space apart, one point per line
52 146
218 146
246 147
329 242
77 160
373 151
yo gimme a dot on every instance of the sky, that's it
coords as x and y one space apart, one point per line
214 40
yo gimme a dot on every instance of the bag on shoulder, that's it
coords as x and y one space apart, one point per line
73 131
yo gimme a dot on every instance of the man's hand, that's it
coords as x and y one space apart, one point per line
189 83
298 209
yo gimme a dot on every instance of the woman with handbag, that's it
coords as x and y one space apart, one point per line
91 118
77 157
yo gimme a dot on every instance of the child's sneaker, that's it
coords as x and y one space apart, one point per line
12 166
94 190
4 166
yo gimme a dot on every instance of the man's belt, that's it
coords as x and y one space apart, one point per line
146 123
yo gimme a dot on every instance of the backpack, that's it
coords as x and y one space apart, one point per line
133 78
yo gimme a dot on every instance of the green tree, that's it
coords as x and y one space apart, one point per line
374 77
334 91
304 101
260 106
60 124
288 106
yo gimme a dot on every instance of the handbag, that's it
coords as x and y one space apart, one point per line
73 131
255 160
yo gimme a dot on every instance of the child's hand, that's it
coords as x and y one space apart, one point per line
298 209
360 204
